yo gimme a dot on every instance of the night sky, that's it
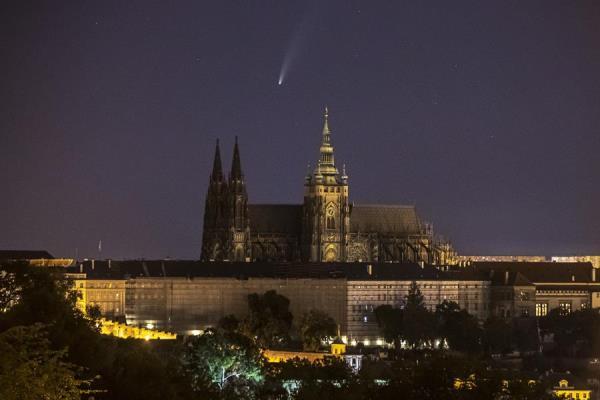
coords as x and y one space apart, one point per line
485 115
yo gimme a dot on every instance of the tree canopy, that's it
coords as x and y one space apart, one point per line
217 356
30 369
269 320
315 327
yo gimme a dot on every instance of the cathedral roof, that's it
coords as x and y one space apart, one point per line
275 218
385 219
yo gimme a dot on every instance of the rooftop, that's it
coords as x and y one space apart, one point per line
24 255
240 270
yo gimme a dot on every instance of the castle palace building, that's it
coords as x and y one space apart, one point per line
326 227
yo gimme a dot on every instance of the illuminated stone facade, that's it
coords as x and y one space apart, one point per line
467 260
327 227
187 297
534 288
189 305
567 390
364 296
595 260
106 294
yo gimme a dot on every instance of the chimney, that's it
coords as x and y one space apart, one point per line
422 264
370 269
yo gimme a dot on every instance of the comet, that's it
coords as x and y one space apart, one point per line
299 37
287 61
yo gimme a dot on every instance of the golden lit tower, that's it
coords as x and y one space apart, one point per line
326 213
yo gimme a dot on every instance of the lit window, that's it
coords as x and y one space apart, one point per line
565 307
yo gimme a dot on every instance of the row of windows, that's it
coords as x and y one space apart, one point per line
104 296
96 285
328 189
550 292
431 307
565 306
401 297
421 287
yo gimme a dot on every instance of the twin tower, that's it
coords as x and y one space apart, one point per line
316 230
324 228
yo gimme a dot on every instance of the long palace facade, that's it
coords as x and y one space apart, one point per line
187 297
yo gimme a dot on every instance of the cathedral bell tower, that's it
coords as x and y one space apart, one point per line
226 233
214 235
326 213
239 227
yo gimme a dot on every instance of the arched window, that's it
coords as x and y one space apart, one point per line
330 222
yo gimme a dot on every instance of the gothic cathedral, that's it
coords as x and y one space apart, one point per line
327 227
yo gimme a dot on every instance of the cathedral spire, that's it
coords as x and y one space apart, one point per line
236 164
217 171
326 164
326 130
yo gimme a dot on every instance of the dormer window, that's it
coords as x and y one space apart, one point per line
563 383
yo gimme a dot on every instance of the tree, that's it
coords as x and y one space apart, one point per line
269 321
218 357
389 320
37 295
30 369
46 296
316 326
459 328
153 370
497 336
229 323
574 333
418 323
9 288
326 378
124 369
